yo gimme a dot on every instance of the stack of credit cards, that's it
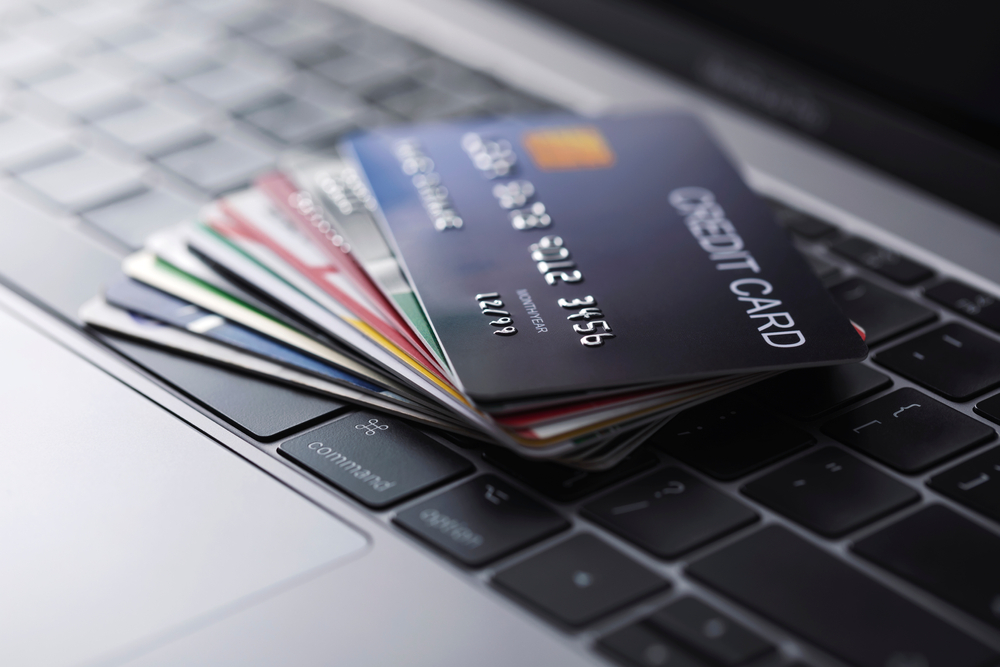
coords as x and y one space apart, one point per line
558 285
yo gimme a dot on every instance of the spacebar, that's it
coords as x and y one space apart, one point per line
833 605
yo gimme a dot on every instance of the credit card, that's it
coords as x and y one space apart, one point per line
338 220
101 315
555 254
144 300
249 219
147 268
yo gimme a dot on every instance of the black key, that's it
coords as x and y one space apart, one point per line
294 120
810 392
83 180
879 312
974 304
448 75
710 632
265 410
729 438
579 580
830 492
132 219
481 520
669 512
374 458
989 408
563 483
882 261
642 646
218 165
831 604
801 223
355 70
974 483
952 360
823 269
944 553
908 430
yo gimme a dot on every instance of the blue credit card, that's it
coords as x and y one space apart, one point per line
557 254
150 302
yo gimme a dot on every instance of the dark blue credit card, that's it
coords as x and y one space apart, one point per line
556 254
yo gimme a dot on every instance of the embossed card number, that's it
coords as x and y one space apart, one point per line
596 329
551 257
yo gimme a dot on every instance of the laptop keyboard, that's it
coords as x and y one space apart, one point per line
753 530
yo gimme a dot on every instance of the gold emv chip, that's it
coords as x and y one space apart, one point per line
567 148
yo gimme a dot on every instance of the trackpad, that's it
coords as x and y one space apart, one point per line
121 522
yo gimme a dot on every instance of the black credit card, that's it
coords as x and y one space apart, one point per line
556 254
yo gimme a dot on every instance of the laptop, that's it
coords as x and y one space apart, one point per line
846 516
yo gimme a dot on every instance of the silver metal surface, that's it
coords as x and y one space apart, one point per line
121 522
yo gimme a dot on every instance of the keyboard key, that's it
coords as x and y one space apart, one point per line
830 492
508 102
729 438
83 180
579 580
165 52
801 223
908 430
882 261
132 219
831 604
81 91
952 360
374 458
428 103
229 84
879 312
265 410
944 553
810 392
151 128
302 42
989 408
481 520
563 483
669 512
385 46
823 269
978 306
642 646
22 55
218 165
709 632
24 140
295 120
360 72
974 483
447 75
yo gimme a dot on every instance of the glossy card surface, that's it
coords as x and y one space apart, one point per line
559 254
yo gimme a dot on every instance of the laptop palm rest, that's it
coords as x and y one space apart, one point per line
123 525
